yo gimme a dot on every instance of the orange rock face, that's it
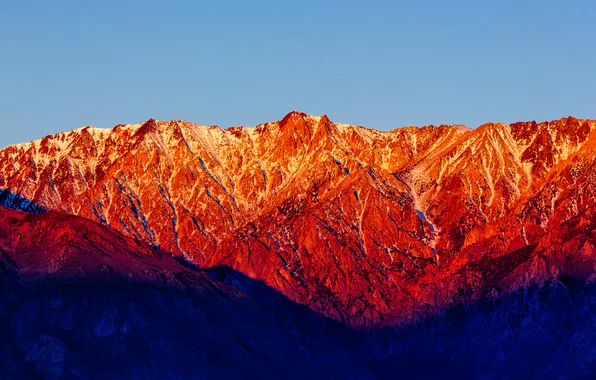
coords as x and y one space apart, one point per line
364 226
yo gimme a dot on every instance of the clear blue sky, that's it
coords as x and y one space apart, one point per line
383 64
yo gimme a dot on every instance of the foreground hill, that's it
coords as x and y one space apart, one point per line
80 301
366 227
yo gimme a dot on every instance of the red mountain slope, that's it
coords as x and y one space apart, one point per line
58 245
361 225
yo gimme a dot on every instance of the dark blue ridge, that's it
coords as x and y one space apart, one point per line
14 201
85 328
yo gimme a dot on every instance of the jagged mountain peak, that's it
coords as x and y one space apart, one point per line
150 125
305 126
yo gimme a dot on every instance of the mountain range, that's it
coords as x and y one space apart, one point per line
365 227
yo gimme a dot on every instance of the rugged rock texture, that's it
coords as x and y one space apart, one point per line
366 227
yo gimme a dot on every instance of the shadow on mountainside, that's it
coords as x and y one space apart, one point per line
540 332
544 331
194 323
275 300
61 328
14 201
